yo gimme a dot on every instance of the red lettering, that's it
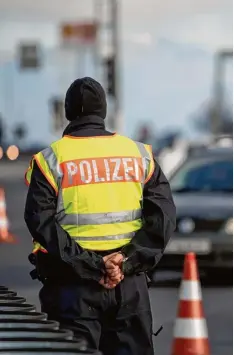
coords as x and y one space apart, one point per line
101 170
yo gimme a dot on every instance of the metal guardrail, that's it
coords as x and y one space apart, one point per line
23 331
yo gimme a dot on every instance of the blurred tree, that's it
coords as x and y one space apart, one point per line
203 119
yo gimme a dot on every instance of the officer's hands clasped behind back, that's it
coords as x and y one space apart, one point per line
113 268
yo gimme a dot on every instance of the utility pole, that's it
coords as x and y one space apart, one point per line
118 122
110 22
98 13
220 59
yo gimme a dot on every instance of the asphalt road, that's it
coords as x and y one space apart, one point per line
15 268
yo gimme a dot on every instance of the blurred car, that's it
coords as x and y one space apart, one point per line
202 188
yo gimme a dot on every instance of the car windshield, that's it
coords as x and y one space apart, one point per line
204 175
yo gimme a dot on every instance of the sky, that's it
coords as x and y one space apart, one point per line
166 59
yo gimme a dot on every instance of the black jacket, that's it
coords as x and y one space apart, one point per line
145 249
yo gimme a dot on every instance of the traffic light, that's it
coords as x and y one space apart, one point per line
111 79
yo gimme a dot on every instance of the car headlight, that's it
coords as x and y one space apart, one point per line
228 227
186 226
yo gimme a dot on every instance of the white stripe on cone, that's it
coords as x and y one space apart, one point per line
2 205
190 291
190 328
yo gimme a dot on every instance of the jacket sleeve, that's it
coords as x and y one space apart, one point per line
159 214
40 210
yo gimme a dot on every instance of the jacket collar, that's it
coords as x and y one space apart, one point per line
86 122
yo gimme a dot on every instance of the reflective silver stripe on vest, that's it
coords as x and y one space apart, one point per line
98 218
146 158
107 237
53 164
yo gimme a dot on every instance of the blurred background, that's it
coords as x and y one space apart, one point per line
173 66
168 72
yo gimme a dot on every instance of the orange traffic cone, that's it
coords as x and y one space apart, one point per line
190 331
5 236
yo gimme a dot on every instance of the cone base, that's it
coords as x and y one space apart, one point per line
191 347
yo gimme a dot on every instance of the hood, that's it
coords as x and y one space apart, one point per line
85 97
200 205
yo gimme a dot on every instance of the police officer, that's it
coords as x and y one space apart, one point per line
100 212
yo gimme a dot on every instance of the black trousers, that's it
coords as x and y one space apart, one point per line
116 322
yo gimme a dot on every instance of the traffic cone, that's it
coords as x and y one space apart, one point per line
190 331
5 236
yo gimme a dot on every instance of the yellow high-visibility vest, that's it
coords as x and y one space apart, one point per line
99 184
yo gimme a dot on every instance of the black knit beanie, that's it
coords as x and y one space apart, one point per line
85 97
